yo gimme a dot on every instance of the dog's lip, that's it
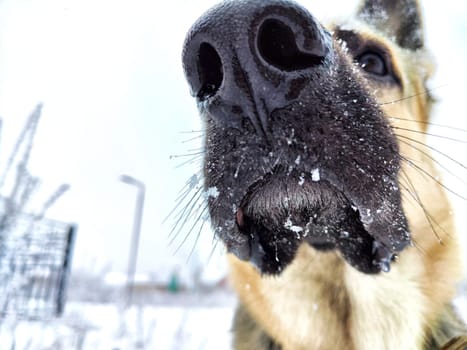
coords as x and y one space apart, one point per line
264 181
381 256
261 186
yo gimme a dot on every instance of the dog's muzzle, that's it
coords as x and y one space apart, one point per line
264 75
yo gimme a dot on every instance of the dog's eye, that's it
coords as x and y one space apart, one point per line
373 63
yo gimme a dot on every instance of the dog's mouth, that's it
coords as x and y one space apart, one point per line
283 210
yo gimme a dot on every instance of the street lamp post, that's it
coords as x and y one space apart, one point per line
138 214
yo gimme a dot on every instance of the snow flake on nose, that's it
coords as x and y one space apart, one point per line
212 192
344 234
294 228
301 180
291 139
315 175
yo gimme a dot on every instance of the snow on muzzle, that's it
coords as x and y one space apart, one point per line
279 213
272 88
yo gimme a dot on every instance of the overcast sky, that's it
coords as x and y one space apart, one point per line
115 102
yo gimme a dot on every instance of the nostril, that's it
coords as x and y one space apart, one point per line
209 70
277 46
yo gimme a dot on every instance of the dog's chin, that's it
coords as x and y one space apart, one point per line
281 212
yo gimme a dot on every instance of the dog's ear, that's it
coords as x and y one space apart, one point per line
398 18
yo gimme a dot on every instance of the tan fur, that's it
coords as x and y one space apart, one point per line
320 302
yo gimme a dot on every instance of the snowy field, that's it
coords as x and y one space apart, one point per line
171 324
94 326
103 326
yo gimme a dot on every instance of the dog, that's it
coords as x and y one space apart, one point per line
336 224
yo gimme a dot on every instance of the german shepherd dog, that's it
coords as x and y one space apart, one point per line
338 231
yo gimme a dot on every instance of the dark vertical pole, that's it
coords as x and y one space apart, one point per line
70 241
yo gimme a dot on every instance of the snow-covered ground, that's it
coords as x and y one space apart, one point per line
103 326
100 326
170 324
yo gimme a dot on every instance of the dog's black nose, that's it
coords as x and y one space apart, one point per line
247 58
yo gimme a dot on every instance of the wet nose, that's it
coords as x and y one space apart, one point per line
246 58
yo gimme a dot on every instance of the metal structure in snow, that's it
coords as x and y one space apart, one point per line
35 261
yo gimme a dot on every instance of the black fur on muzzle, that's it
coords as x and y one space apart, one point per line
296 147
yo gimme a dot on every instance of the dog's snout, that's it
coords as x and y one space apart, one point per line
245 57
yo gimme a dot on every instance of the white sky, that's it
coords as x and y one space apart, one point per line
109 74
